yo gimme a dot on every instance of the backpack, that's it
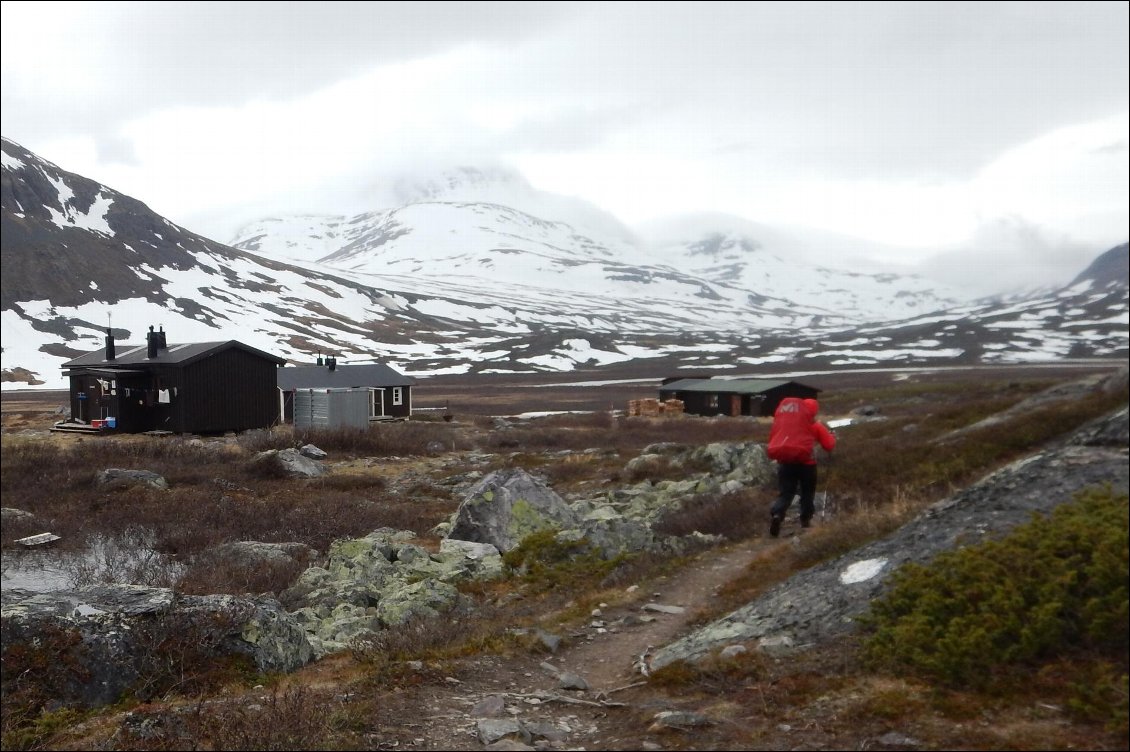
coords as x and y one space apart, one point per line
791 439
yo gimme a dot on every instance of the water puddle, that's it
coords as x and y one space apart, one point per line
124 559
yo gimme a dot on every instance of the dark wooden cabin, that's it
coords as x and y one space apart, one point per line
202 387
756 397
390 392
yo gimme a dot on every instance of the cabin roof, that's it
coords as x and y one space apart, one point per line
132 355
341 377
729 386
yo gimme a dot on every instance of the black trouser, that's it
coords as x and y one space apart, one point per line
789 477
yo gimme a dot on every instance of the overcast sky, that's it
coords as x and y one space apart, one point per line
993 132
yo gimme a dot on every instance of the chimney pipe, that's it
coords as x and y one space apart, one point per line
111 353
320 360
332 362
161 344
151 344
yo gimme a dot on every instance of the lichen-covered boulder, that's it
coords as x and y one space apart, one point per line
459 559
426 599
506 506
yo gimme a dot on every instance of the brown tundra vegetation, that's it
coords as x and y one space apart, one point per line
414 688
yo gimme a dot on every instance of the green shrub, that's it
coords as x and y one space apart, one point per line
1054 586
548 563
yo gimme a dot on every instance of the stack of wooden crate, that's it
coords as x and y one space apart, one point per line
652 407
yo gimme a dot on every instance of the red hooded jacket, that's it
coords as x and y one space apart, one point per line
795 432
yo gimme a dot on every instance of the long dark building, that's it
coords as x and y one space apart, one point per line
201 387
707 396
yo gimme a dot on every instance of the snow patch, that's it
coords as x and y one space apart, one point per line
861 571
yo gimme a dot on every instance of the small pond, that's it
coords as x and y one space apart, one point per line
123 559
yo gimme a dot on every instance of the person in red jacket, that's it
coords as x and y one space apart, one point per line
792 441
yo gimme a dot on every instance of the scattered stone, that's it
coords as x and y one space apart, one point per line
313 452
895 739
540 730
290 462
732 651
663 609
569 680
9 515
489 707
511 745
116 478
491 730
679 719
777 645
551 641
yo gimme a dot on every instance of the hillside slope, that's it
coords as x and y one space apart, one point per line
451 284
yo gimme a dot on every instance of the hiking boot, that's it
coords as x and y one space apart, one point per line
806 522
774 526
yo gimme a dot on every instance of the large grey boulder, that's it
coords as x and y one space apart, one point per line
113 637
506 506
746 462
290 462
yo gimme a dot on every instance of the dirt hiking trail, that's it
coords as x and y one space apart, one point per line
532 701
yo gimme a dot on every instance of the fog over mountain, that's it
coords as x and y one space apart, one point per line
474 271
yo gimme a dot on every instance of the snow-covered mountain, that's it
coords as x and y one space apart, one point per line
478 272
726 274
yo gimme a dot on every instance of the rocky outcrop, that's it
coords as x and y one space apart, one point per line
383 580
821 603
505 506
121 634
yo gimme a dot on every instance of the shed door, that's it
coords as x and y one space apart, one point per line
735 404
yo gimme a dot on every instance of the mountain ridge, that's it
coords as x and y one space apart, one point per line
460 286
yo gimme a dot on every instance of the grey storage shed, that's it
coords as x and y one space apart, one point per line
331 408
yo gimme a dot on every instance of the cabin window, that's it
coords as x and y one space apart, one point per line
712 400
398 395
